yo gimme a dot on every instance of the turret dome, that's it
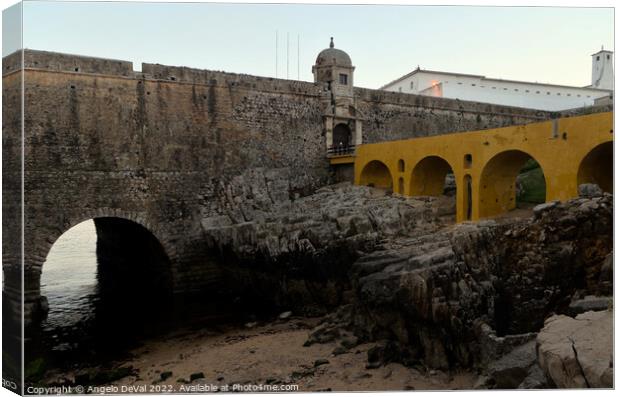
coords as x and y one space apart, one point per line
333 56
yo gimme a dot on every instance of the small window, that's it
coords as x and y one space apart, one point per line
459 83
598 58
567 94
505 89
516 89
494 87
400 89
607 56
344 79
467 161
401 165
558 93
473 85
548 93
578 95
538 92
411 85
527 90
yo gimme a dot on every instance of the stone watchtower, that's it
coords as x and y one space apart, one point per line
343 128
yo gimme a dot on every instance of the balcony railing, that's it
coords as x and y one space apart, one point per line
341 150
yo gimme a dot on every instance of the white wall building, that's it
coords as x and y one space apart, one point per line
551 97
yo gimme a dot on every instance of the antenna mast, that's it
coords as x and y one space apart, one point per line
287 55
276 54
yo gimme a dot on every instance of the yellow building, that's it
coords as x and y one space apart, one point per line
570 151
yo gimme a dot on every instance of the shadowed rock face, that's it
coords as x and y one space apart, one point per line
459 296
463 295
435 293
297 252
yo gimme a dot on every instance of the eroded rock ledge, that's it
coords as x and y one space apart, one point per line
433 293
296 252
442 296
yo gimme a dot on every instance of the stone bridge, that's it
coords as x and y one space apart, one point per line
149 154
570 151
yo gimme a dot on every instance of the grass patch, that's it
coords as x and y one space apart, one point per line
531 186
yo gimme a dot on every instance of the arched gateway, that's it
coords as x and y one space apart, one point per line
486 163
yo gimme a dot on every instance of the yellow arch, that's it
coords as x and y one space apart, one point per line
564 148
497 186
428 176
376 174
598 167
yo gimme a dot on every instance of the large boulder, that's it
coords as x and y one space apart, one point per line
578 352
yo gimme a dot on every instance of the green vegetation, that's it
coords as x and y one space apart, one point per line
531 184
529 165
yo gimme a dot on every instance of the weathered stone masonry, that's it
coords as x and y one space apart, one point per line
160 146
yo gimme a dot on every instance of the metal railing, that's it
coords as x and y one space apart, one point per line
341 150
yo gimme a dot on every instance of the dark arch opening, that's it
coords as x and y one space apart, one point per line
467 197
509 180
598 167
376 174
107 283
129 254
342 135
431 176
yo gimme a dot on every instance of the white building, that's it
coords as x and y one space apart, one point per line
551 97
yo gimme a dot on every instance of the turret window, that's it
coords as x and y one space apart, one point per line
344 79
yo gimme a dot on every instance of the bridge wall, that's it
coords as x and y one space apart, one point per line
570 151
160 147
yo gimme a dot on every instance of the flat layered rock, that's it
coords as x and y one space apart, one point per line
577 352
336 215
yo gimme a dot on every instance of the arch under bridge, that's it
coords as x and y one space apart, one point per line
570 151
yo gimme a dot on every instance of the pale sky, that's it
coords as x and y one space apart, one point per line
543 44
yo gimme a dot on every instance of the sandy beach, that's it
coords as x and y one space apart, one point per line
272 355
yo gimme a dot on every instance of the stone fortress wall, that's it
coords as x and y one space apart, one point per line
161 147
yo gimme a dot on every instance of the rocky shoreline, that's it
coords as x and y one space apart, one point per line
440 295
378 281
